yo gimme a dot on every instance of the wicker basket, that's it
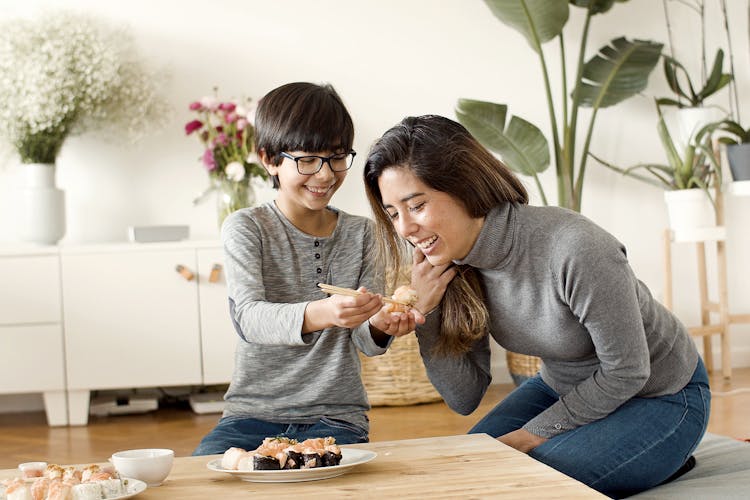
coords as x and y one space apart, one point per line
522 366
398 377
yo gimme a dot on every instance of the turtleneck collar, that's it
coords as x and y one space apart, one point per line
495 241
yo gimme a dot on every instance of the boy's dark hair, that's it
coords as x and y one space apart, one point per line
302 116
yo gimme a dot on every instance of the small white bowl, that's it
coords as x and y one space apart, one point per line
31 470
151 465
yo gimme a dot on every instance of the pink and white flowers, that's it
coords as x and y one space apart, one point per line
225 128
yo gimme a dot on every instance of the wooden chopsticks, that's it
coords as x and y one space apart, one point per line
331 289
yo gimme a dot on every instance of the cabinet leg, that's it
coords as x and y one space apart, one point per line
56 407
78 407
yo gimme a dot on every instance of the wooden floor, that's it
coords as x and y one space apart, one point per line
26 437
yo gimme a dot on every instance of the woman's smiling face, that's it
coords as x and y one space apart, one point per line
434 221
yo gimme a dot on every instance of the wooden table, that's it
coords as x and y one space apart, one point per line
466 466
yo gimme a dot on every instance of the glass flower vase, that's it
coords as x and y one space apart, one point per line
231 196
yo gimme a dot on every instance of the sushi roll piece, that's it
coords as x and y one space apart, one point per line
231 458
40 487
89 471
263 462
87 491
330 458
16 489
111 487
271 454
58 490
294 459
54 471
332 455
311 458
246 462
71 474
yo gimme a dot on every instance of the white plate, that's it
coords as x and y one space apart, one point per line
133 487
350 458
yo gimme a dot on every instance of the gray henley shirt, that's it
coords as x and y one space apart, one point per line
272 269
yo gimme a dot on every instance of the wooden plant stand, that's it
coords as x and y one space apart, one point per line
720 307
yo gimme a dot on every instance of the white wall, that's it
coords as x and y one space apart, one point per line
387 59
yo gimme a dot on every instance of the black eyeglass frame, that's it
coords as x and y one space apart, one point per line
323 159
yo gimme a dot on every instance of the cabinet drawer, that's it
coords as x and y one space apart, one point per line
30 291
32 359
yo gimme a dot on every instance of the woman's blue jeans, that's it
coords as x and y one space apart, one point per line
637 447
248 433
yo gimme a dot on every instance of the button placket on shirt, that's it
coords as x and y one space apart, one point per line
319 269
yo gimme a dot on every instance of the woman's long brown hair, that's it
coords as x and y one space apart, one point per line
443 155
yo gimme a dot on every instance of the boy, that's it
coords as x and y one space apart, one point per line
297 371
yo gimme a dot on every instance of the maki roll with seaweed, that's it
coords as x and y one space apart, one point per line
280 453
320 452
263 462
272 454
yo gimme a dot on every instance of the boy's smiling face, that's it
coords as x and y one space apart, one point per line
306 192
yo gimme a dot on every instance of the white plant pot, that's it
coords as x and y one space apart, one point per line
691 120
689 209
41 205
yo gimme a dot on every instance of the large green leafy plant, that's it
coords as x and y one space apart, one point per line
618 71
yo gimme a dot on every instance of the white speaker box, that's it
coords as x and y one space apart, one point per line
149 234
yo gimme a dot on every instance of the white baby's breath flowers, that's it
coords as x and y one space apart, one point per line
63 74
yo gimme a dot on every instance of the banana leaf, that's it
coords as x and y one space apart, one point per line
521 144
619 71
539 21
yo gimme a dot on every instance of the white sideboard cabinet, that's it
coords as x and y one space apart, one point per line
31 331
143 315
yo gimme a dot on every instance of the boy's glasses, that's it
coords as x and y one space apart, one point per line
311 164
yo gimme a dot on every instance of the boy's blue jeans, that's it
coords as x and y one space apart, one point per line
248 433
635 448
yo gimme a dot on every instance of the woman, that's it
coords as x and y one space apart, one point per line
622 398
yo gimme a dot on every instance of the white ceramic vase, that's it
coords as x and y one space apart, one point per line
41 216
689 209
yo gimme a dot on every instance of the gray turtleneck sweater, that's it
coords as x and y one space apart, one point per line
560 287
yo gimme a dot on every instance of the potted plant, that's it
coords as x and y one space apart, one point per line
690 100
738 150
691 94
687 176
618 71
66 74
